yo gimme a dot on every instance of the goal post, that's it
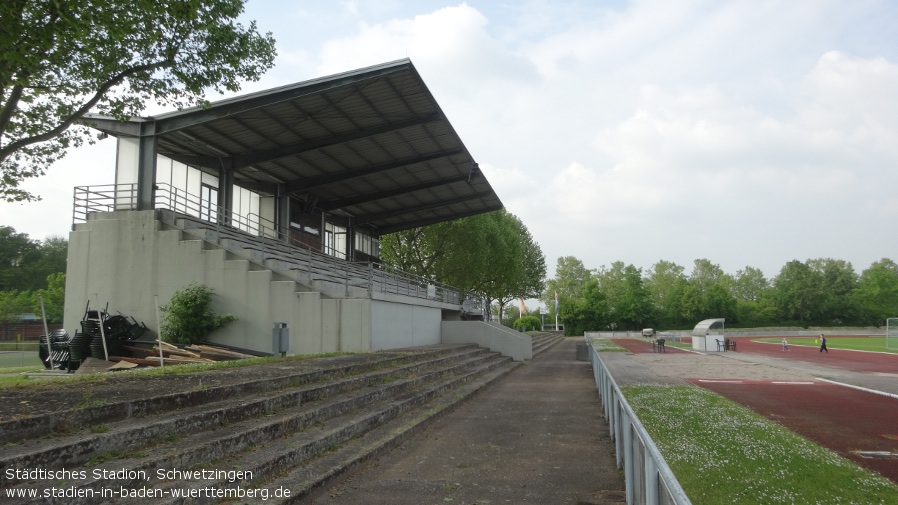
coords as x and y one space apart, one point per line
892 333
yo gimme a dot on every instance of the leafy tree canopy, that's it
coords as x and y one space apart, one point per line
63 59
492 253
26 263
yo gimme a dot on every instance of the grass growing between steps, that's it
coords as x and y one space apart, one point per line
22 381
758 461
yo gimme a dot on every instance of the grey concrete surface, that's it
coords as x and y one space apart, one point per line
535 437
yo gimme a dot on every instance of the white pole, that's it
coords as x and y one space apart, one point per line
102 331
47 333
158 331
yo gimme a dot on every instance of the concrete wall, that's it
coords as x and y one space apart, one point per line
498 338
395 325
130 260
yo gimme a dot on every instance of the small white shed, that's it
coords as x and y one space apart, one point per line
706 334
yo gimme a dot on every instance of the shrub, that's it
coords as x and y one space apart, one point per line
528 323
188 318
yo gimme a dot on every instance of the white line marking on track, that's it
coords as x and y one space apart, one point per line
790 382
725 382
859 388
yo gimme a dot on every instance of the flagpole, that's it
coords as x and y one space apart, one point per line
556 310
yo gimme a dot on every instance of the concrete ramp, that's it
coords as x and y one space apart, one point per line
518 346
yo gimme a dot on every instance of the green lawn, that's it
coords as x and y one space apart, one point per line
605 345
877 344
758 461
20 359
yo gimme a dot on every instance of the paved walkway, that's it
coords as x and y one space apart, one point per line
537 436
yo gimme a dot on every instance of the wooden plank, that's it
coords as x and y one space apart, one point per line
136 361
179 361
218 350
94 365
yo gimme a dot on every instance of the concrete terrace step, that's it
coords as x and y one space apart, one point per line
71 412
269 433
542 341
192 412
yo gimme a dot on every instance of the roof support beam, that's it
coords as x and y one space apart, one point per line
230 107
427 222
312 183
368 218
311 145
370 197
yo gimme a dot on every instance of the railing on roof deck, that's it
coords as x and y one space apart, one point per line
271 242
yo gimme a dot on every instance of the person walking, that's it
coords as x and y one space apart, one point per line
823 344
785 344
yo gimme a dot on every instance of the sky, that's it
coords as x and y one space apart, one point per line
748 133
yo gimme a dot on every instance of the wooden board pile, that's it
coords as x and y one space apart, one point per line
174 355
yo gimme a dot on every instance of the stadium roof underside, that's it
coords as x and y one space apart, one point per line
370 144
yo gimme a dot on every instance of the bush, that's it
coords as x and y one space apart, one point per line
528 323
188 318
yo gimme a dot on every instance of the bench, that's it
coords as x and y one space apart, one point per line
726 344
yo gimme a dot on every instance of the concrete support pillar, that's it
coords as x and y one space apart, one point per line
225 190
282 212
146 167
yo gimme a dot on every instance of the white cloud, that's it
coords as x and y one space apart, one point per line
746 132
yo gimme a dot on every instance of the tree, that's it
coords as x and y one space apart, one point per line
492 254
666 284
718 302
63 59
54 297
16 250
571 279
25 264
586 313
838 283
706 274
876 295
797 292
749 284
629 302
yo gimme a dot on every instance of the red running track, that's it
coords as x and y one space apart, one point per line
842 419
855 361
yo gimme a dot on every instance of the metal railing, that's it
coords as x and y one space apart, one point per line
649 481
259 238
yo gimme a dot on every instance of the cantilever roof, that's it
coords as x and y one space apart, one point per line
703 326
372 144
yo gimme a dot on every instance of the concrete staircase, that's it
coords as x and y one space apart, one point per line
292 426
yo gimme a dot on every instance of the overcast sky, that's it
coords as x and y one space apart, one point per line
749 133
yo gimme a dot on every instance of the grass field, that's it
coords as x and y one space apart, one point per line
19 359
759 461
877 344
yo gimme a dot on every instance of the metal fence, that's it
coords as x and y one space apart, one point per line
258 238
648 479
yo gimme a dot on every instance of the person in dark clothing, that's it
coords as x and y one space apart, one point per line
823 344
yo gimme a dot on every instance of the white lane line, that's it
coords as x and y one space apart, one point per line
725 382
791 382
874 391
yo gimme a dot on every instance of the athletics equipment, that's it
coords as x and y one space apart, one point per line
892 333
